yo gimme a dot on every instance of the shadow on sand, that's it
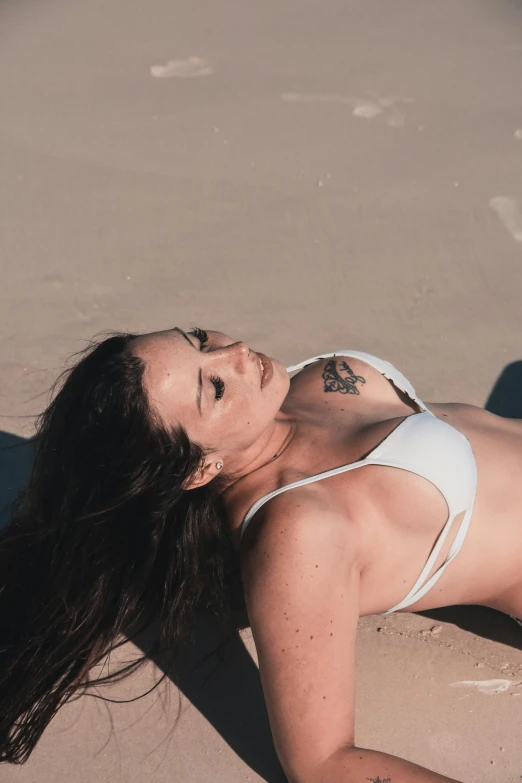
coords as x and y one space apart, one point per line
16 457
217 673
219 677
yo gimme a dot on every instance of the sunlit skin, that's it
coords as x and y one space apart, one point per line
249 425
246 426
322 555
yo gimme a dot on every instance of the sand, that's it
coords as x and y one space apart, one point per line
306 177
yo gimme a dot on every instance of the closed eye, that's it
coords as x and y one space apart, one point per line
219 385
202 336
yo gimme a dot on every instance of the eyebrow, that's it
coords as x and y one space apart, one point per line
200 381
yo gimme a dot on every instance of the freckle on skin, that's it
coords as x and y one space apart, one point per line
311 637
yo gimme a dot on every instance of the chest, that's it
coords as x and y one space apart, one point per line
345 408
336 426
329 388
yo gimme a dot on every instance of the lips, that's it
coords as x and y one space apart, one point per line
268 369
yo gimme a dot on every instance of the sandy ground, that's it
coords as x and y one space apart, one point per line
305 176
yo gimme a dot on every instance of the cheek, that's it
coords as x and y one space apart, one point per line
245 418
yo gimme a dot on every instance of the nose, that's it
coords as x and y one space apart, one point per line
240 352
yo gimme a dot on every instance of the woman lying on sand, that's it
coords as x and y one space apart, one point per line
159 449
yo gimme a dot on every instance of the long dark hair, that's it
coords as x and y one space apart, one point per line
103 539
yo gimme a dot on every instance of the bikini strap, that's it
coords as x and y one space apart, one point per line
301 483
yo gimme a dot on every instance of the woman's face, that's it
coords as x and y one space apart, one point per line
211 384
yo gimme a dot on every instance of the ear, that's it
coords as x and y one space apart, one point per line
203 475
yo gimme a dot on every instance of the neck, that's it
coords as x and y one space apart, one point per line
274 444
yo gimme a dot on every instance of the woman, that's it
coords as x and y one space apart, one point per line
160 448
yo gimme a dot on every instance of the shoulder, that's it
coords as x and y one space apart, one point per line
343 378
324 366
303 552
295 528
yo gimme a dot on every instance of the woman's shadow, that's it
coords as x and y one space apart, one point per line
216 673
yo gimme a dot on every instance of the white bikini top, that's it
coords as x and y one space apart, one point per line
421 444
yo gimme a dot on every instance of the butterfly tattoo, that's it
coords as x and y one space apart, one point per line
345 383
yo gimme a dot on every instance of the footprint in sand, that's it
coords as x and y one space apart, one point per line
488 687
361 108
508 214
182 69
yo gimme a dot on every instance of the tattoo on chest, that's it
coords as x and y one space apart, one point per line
339 377
379 780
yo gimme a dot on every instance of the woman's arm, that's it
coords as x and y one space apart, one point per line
359 765
301 584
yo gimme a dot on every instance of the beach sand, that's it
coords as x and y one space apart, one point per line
307 177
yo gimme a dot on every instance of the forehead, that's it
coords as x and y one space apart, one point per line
169 372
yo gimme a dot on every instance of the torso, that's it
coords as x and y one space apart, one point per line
399 514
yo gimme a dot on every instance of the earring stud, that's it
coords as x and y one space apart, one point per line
219 465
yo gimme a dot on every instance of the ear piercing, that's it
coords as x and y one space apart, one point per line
219 465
